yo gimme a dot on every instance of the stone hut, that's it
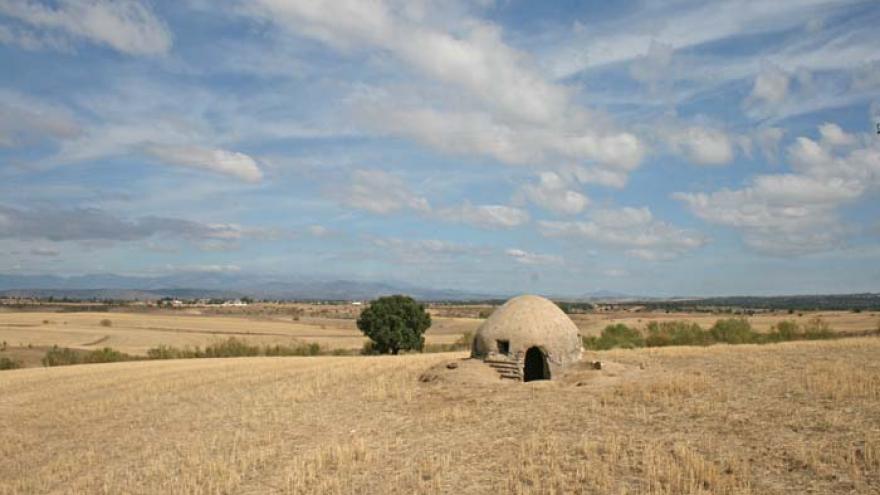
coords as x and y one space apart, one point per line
528 338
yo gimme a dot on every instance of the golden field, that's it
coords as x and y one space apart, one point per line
840 321
134 333
793 418
331 326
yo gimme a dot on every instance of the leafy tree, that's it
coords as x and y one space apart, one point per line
395 323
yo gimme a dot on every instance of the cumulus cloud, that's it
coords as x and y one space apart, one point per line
127 26
633 229
380 192
552 193
771 86
701 145
796 213
214 160
484 216
90 224
527 258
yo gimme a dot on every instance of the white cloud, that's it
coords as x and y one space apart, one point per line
796 213
380 192
632 228
615 272
24 119
552 193
203 268
127 26
318 231
655 68
44 251
686 25
484 216
499 104
215 160
528 258
428 251
832 135
768 139
771 86
701 145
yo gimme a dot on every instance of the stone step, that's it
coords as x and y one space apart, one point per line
504 365
501 361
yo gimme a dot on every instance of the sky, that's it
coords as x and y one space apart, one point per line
653 147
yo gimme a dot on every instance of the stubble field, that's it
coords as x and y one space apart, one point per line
798 417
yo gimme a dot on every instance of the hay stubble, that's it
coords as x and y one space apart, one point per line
785 418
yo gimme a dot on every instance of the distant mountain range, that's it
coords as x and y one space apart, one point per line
216 285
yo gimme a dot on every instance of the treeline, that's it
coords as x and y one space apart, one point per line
725 331
831 302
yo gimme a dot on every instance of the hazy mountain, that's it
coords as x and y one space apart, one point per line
198 285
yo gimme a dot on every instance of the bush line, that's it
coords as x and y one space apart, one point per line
232 347
725 331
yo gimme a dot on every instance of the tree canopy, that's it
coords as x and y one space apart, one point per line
395 323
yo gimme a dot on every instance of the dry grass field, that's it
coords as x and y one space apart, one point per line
787 418
840 321
331 326
134 333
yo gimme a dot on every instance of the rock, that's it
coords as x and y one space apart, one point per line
452 366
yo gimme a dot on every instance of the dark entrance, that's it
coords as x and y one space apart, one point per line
536 367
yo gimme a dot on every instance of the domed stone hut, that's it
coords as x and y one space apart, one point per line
528 338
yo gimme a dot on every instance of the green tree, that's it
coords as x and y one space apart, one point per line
395 323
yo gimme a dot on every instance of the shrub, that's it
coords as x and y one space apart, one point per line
618 335
733 331
817 328
106 323
9 363
231 347
395 323
301 349
167 352
105 355
369 349
785 330
58 356
665 333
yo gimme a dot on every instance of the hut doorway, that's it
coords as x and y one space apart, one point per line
536 367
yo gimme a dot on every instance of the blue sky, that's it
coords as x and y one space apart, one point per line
656 148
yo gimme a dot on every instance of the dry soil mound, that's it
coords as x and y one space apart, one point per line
471 371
